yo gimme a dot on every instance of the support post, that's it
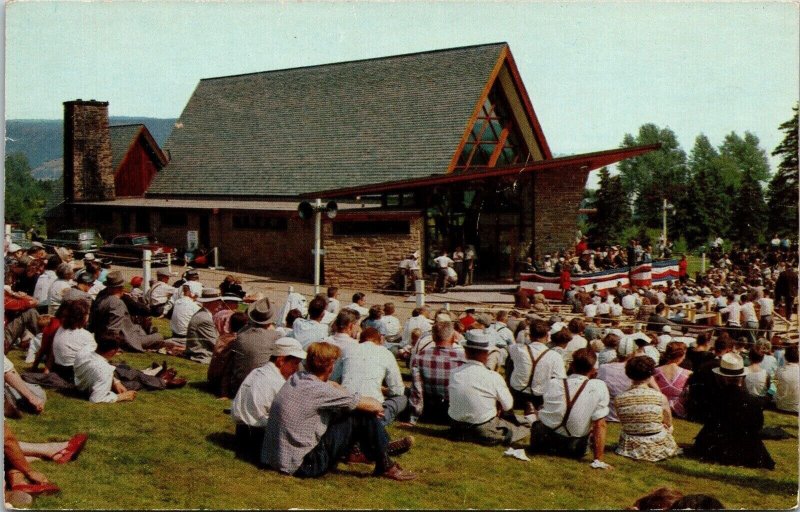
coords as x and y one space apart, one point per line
317 242
146 261
216 257
169 263
420 289
664 222
703 264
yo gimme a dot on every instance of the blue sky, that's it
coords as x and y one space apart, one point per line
594 71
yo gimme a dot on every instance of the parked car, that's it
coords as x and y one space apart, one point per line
127 249
81 241
20 238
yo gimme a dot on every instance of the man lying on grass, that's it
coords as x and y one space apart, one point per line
313 423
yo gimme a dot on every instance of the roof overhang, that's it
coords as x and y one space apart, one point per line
584 162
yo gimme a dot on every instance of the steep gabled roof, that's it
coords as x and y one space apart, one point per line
123 137
293 131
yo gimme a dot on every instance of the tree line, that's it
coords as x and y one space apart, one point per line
726 191
26 198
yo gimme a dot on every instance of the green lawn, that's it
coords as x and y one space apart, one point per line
173 449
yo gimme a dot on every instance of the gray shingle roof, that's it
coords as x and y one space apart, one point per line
294 131
121 138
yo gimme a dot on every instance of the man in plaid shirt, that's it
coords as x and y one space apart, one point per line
430 374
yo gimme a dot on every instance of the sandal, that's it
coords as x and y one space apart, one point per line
74 447
36 489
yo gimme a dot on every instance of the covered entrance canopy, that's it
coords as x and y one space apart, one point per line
495 210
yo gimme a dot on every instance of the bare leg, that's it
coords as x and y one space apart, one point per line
42 450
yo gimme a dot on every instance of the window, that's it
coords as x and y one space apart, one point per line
255 221
368 228
173 219
493 139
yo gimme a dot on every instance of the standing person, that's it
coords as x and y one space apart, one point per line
573 408
469 264
478 398
458 263
766 308
312 424
644 413
749 317
730 433
683 264
786 290
443 262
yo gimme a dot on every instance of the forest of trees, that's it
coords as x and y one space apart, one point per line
26 197
725 191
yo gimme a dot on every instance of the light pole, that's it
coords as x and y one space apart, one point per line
666 206
305 210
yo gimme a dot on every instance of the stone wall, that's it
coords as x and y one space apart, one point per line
88 171
557 198
368 262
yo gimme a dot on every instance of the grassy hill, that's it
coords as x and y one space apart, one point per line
174 449
42 140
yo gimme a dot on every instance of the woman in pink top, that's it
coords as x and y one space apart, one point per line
671 378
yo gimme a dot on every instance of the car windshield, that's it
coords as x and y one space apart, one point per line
18 235
86 235
142 240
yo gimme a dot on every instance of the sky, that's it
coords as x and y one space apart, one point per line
594 71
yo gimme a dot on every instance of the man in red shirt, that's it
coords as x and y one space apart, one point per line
682 264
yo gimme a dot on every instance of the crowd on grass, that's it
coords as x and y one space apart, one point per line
315 382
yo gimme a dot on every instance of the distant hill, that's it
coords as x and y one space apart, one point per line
42 140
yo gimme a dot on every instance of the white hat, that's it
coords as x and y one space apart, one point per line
478 340
561 258
195 287
667 329
556 327
89 256
730 365
539 289
444 317
289 347
546 256
14 248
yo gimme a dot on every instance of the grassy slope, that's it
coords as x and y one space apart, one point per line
173 449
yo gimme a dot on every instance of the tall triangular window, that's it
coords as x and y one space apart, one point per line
494 139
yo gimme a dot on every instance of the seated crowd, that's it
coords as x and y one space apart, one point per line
315 384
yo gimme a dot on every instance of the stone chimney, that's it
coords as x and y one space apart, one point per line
88 171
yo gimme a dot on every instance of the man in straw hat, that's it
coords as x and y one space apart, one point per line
201 333
730 433
109 314
254 344
477 397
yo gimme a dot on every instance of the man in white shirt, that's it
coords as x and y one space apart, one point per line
590 310
630 302
420 319
159 293
368 368
664 338
410 270
345 334
576 327
359 305
531 366
443 262
250 408
183 311
503 332
333 302
476 395
94 375
44 282
64 274
308 331
391 323
572 408
766 306
787 380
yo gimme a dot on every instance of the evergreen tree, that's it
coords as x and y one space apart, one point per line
783 189
25 197
613 212
705 211
749 217
743 155
650 178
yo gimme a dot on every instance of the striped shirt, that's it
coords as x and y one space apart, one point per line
430 374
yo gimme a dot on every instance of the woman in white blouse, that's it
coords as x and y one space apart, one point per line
71 338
